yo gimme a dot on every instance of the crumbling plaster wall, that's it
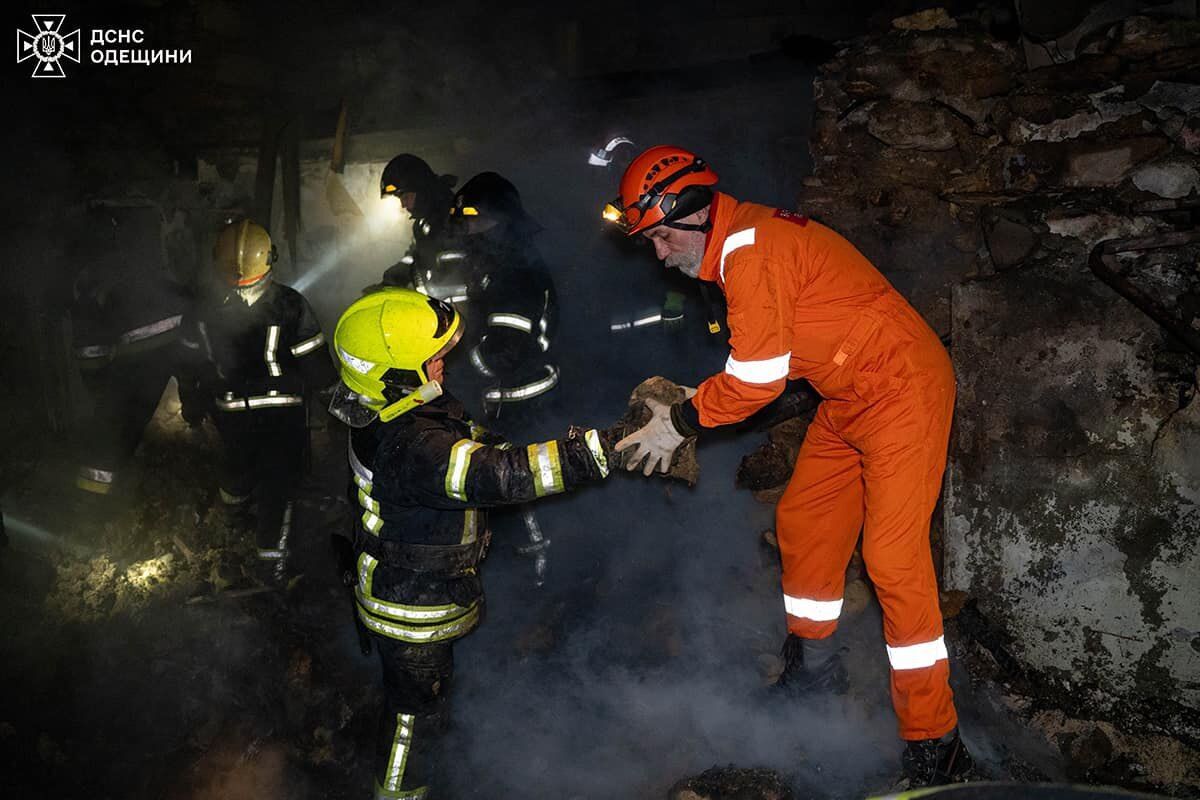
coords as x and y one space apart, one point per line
980 187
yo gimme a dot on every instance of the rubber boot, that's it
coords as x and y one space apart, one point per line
936 762
812 666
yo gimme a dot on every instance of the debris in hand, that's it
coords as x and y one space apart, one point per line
684 466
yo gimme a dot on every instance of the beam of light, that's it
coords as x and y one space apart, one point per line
384 218
40 537
329 260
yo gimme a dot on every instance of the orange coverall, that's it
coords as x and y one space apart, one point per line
804 303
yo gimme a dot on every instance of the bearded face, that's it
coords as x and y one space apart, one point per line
688 261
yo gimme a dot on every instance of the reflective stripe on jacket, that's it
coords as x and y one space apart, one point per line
427 478
798 294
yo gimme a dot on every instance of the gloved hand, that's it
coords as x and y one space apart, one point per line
655 443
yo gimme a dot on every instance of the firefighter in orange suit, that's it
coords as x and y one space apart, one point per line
804 303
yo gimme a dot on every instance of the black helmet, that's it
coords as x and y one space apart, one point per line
407 173
491 195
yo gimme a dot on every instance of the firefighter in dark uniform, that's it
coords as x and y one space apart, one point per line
511 296
423 475
258 350
426 196
125 336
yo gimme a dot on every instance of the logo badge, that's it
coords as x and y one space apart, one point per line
48 45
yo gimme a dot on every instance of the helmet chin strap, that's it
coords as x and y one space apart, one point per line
703 227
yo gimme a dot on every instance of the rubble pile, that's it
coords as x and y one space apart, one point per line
732 783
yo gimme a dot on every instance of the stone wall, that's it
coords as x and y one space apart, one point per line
980 187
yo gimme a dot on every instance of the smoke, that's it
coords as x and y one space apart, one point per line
642 659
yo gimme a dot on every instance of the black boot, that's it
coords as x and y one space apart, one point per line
935 762
824 672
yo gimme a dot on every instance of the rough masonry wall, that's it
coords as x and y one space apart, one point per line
1073 505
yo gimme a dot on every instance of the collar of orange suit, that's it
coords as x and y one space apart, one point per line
720 213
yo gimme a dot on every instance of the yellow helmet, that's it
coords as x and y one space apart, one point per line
243 253
384 342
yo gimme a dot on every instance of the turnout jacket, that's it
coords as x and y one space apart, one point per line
515 313
127 316
247 359
422 483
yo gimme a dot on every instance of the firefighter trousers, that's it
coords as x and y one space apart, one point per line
416 681
125 396
873 463
264 457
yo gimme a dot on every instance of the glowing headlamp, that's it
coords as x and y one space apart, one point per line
611 213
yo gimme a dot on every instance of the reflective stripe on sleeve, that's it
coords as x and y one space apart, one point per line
153 329
269 400
546 467
526 392
98 475
918 656
767 370
733 242
816 610
93 351
308 345
231 499
592 438
269 352
516 321
456 469
478 363
96 481
274 400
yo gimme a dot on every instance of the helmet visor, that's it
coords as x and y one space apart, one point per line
347 405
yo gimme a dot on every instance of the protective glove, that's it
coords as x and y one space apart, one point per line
655 443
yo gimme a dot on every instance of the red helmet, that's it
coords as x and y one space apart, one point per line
662 185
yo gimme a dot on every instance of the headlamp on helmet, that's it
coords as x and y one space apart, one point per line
662 186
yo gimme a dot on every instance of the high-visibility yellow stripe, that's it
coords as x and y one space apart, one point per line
470 530
95 487
414 634
421 615
546 467
398 757
592 438
371 522
366 501
456 469
419 793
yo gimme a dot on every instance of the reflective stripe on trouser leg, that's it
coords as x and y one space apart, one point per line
902 465
818 520
402 739
416 680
